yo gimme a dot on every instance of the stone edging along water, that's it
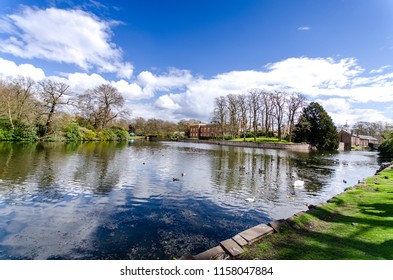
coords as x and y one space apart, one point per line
292 147
233 247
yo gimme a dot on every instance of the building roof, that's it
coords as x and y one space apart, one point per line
367 137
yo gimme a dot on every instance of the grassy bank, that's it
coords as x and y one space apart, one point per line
357 224
260 140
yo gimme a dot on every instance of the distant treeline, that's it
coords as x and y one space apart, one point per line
49 111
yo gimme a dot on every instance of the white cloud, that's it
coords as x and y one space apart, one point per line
9 69
335 105
129 90
380 70
339 85
304 28
66 36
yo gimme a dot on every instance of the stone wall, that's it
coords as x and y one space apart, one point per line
290 147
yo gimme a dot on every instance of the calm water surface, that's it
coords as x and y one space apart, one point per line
119 201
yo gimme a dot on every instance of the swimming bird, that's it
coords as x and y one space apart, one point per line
344 181
250 199
175 179
298 184
260 170
183 174
242 167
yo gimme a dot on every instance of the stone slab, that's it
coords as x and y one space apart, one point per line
232 247
292 224
240 240
255 233
215 253
278 225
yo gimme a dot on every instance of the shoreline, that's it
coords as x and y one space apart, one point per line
249 240
298 147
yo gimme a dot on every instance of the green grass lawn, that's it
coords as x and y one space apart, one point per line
136 137
261 140
357 224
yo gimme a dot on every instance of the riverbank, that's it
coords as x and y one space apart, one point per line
357 224
289 147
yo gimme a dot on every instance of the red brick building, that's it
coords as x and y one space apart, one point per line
350 140
205 131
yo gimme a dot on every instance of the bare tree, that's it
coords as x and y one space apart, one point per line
6 99
53 95
243 108
220 113
254 104
23 92
233 111
109 104
101 105
267 104
279 102
296 101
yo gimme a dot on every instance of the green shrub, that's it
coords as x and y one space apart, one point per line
5 135
121 134
72 132
87 134
24 133
386 147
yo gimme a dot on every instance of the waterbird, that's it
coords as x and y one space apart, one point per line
183 174
250 199
242 167
298 184
344 181
175 179
260 170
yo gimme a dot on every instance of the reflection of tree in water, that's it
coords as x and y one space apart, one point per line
47 175
98 168
268 174
17 160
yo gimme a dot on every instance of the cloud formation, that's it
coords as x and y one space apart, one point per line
304 28
65 36
343 87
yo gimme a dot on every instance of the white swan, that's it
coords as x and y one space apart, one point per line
250 199
298 184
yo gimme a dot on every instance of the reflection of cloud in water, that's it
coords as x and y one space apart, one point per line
100 201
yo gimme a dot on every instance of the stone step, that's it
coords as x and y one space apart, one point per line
240 240
232 247
215 253
255 233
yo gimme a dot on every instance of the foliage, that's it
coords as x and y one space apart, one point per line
19 132
316 127
386 147
121 134
5 135
22 132
72 132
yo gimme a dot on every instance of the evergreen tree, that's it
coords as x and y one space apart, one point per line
316 127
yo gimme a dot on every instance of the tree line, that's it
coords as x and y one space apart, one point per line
49 110
259 112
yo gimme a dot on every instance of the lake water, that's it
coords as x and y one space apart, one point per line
119 200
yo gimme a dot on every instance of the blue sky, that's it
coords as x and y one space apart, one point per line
171 58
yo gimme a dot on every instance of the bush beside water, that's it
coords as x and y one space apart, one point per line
73 132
